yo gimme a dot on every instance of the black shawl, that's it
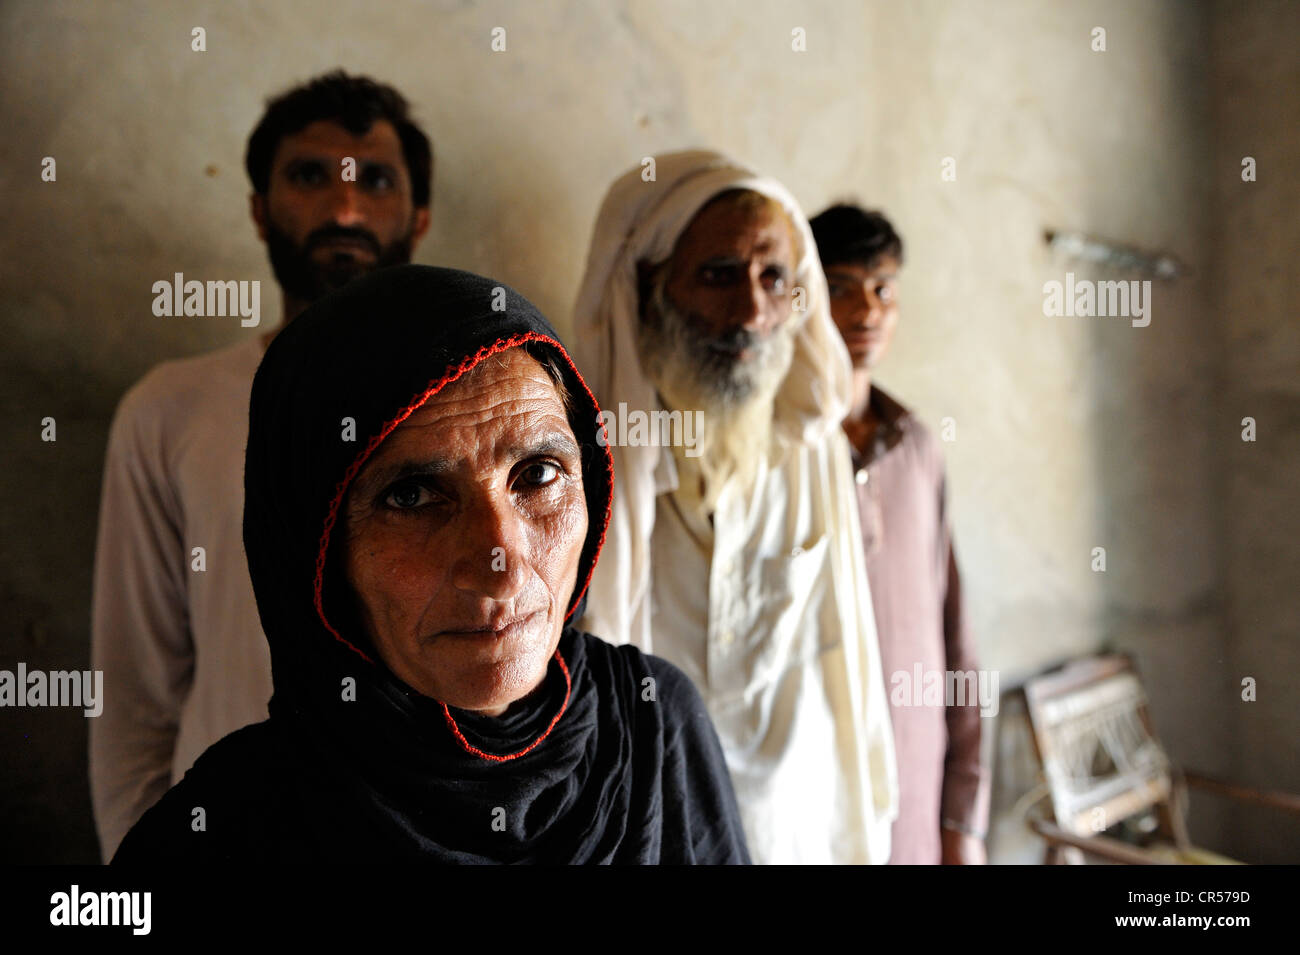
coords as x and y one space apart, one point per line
628 768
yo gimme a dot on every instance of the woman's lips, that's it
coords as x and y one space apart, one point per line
496 631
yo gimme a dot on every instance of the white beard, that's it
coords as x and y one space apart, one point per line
737 399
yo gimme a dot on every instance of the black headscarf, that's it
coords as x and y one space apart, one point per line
361 361
614 759
373 353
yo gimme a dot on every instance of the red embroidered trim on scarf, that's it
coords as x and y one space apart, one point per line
471 748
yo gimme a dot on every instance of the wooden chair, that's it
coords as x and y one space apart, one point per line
1106 772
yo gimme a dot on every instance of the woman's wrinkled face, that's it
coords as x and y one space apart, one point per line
463 536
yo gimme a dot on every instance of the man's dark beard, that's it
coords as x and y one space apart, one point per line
302 277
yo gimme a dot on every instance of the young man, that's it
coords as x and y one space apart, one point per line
899 473
174 623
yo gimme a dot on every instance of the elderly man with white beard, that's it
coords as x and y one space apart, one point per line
736 559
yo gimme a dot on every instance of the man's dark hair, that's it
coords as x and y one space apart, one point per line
848 234
354 102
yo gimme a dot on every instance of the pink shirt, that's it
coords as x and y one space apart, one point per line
916 592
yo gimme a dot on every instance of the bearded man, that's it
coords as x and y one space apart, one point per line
175 628
735 559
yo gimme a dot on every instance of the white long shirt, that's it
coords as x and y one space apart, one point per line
182 650
783 652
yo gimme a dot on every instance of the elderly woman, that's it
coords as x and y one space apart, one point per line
425 500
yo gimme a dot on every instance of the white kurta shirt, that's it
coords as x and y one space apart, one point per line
179 639
757 626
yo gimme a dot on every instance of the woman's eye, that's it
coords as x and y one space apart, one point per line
404 497
541 473
885 293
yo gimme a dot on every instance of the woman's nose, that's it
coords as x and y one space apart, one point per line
491 558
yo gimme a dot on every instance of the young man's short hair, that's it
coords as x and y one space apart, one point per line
850 235
355 103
